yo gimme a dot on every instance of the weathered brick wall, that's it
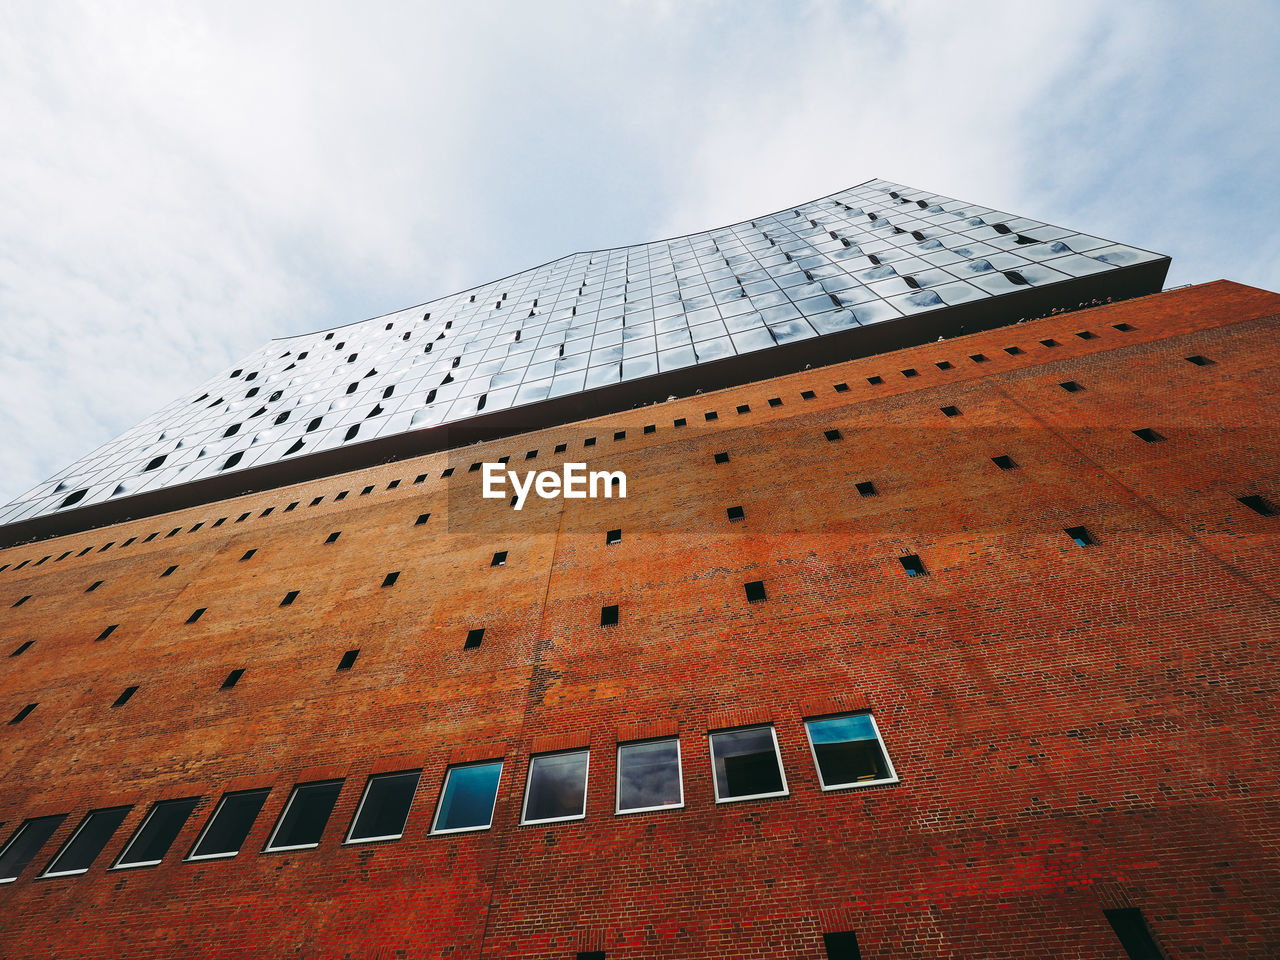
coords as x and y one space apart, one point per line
1073 728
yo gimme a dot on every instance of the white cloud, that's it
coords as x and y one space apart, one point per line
182 181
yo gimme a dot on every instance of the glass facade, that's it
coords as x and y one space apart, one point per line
869 254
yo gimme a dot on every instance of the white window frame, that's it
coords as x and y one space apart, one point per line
777 756
194 857
24 825
368 785
813 753
293 795
120 860
617 789
445 786
586 780
66 845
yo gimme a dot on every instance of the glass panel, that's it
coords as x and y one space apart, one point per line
847 751
649 775
385 806
746 763
152 840
466 803
230 824
557 787
78 853
305 815
25 844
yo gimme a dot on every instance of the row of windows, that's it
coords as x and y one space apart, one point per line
847 751
710 415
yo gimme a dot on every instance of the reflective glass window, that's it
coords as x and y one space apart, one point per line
227 829
25 844
79 852
384 808
557 787
649 776
746 764
466 802
302 823
152 840
848 751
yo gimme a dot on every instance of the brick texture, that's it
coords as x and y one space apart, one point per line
1074 729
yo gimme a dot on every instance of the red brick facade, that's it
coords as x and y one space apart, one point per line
1075 729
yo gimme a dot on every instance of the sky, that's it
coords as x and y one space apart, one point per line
181 182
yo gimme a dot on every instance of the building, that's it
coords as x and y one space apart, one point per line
937 619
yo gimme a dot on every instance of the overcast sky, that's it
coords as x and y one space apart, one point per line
181 182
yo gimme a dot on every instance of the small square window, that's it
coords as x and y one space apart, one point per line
736 513
22 648
23 599
384 807
609 616
1131 930
1122 327
951 411
1071 386
153 838
499 559
755 591
475 466
93 586
232 678
474 638
865 488
1004 462
721 458
943 364
556 788
422 518
88 840
589 442
841 388
651 428
1259 505
266 512
112 629
366 491
1200 361
169 571
910 372
1049 343
23 713
679 422
613 536
314 503
196 615
561 447
848 751
446 472
333 537
228 828
305 816
241 519
530 454
467 798
172 533
619 435
832 435
807 395
348 659
746 764
978 357
248 555
1087 335
841 945
25 843
393 484
420 478
649 776
390 579
1148 435
775 401
289 597
1013 351
913 565
875 380
1081 536
744 408
342 495
711 415
124 697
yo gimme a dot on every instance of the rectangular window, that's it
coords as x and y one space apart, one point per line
613 536
848 751
1087 335
467 799
195 615
943 364
499 559
1071 386
609 616
1199 361
1259 505
289 597
679 422
721 457
841 388
910 372
832 435
227 829
422 518
233 678
807 395
1081 536
124 697
23 713
755 591
1123 327
152 840
841 945
390 579
950 411
348 659
1004 462
248 555
475 637
775 401
913 565
333 537
746 764
557 787
107 632
649 776
384 808
736 513
302 823
25 844
1131 929
1148 435
744 408
865 488
82 848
